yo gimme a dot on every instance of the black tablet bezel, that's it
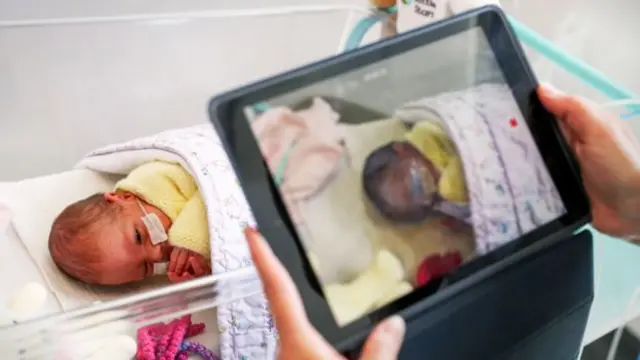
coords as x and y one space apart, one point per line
226 113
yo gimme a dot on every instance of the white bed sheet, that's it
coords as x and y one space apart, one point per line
17 268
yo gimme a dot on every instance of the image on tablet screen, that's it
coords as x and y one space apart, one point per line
397 173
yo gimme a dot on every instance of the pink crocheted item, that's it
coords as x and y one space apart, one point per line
165 341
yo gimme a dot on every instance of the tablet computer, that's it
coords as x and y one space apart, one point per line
384 176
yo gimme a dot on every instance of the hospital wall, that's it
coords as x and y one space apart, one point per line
67 89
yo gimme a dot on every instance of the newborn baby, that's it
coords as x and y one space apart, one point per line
406 179
153 223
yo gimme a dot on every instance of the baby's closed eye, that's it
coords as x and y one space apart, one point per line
138 237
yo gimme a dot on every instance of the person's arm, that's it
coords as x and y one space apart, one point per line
634 235
609 158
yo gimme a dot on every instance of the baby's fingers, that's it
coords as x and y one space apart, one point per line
197 268
173 277
181 261
176 278
173 257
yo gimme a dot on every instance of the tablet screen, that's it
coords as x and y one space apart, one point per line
399 172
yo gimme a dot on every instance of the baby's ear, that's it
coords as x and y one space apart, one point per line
113 197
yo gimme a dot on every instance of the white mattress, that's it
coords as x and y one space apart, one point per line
17 268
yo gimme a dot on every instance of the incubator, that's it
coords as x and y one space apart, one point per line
72 85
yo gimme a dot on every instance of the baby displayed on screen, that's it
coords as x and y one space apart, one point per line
153 223
408 198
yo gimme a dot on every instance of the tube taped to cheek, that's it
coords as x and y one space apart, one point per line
154 227
160 268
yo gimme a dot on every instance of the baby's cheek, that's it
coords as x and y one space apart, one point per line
394 192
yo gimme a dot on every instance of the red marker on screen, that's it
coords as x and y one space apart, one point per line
513 122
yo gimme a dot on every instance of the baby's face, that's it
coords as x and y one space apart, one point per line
411 181
126 243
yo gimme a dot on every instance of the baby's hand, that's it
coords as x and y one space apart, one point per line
185 265
178 260
198 266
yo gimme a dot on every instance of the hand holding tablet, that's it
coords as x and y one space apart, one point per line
298 338
573 113
384 162
609 157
